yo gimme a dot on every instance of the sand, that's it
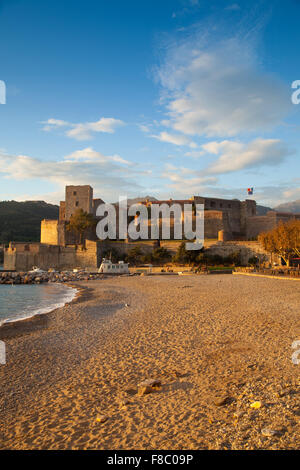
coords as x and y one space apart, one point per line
217 343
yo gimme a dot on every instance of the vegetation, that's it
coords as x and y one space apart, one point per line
253 261
283 240
185 256
203 258
80 222
158 256
21 221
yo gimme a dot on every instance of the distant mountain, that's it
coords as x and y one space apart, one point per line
293 206
262 210
21 221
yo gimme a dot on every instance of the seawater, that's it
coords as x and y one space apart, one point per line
22 301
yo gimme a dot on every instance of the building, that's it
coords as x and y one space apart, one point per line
54 232
229 224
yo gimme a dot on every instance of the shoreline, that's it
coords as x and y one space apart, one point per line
15 327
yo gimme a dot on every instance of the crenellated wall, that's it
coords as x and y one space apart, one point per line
23 256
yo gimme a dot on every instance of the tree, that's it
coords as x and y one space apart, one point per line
187 256
135 255
80 222
283 240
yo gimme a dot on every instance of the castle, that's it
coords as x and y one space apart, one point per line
228 225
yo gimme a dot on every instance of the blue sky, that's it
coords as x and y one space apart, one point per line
172 99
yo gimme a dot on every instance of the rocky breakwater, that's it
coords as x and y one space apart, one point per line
39 278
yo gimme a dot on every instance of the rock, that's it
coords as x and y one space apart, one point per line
256 405
150 383
101 418
145 390
221 401
268 432
148 386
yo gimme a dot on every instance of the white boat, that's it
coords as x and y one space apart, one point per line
107 267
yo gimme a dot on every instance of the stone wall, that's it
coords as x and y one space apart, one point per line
49 232
23 256
214 222
259 224
78 197
247 249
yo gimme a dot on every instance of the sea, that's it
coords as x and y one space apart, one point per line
23 301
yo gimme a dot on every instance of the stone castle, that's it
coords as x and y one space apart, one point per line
228 224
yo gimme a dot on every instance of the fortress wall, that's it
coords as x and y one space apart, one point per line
88 256
213 222
259 224
23 256
62 211
49 232
246 249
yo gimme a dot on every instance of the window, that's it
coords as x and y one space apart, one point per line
212 203
74 193
76 203
229 205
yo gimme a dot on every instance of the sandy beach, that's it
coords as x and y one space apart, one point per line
220 345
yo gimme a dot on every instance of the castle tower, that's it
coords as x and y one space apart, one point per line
78 197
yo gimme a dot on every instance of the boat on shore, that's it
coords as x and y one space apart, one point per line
107 267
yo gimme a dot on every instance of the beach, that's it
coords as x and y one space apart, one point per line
219 344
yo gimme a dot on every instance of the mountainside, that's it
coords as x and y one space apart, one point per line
21 221
293 206
262 210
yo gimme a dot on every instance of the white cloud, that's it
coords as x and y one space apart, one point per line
109 175
144 128
54 124
84 131
235 156
175 139
90 155
292 194
217 88
186 181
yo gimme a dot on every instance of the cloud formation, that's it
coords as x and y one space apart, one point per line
235 156
218 88
109 175
176 139
83 131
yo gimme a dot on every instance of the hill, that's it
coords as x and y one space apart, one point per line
262 210
293 206
20 221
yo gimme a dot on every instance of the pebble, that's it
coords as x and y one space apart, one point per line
268 432
221 401
148 386
101 418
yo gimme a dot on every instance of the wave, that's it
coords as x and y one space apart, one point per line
32 300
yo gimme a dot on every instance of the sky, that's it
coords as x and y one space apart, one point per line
169 98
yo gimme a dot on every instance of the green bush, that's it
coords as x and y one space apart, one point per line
187 256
